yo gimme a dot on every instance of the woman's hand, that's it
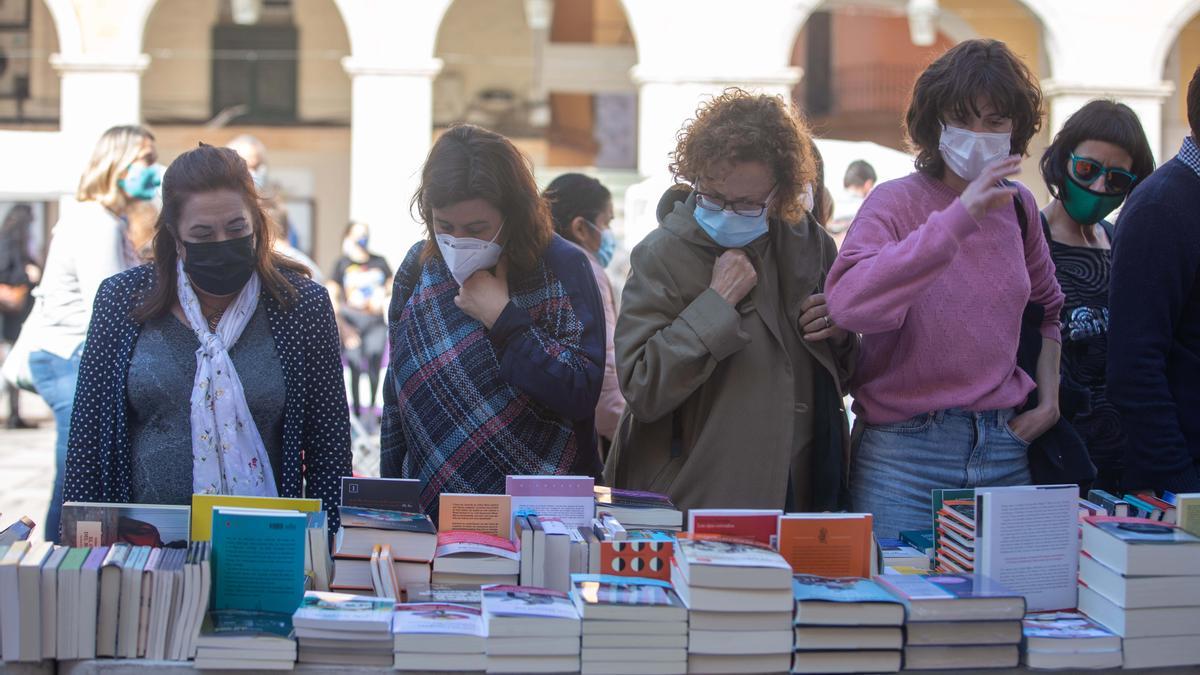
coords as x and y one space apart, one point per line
484 295
1031 424
733 276
987 191
815 322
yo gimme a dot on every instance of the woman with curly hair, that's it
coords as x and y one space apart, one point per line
497 331
935 273
728 359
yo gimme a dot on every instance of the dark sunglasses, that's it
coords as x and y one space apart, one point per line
1087 171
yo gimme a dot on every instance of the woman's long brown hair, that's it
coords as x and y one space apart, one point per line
469 162
209 169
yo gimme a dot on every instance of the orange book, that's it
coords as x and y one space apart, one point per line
488 514
827 544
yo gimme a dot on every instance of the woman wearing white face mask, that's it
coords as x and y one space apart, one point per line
497 331
731 366
935 274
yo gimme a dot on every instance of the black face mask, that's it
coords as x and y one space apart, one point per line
220 267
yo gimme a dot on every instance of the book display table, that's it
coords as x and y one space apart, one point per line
142 667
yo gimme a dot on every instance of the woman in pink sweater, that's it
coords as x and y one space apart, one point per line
935 274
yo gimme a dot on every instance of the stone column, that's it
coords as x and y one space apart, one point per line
97 92
390 130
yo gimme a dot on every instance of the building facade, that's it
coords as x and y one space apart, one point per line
348 95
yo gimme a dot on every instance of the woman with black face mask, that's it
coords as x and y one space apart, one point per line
215 368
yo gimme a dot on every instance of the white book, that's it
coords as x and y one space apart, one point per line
50 593
533 664
517 611
721 664
1138 591
441 662
632 655
724 642
342 611
1027 538
131 602
10 602
1137 623
1161 652
30 580
177 642
203 596
627 668
563 645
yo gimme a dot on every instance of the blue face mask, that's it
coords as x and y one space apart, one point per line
608 244
142 182
729 229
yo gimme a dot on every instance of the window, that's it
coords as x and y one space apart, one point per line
254 66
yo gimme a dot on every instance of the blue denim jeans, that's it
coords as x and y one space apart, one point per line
896 466
55 379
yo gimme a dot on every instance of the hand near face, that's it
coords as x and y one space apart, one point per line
733 276
484 295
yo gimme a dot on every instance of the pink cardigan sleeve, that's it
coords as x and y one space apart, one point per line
612 403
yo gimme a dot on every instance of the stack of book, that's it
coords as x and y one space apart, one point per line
639 510
1062 640
244 640
343 629
631 626
530 630
902 556
955 536
1141 580
475 559
437 636
966 612
739 600
71 603
411 538
846 625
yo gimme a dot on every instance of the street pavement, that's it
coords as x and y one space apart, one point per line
26 474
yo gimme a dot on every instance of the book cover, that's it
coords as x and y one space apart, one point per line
1187 506
1142 508
454 543
938 497
87 524
944 586
435 618
648 558
808 587
1139 531
18 530
1062 626
319 609
489 514
258 559
755 525
827 544
605 589
244 623
922 540
389 494
455 594
1027 538
720 552
631 499
526 601
568 498
202 506
386 520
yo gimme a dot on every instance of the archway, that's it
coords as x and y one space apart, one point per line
216 73
551 74
1179 56
29 85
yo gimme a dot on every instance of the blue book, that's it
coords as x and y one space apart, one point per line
844 601
258 559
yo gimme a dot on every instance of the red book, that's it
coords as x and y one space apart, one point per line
760 526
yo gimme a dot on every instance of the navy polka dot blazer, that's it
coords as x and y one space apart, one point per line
316 424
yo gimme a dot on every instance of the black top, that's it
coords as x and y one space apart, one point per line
1083 273
1154 334
361 282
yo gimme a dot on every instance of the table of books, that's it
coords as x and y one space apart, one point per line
142 667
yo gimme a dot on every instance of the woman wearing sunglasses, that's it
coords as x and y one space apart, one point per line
1091 166
729 362
935 274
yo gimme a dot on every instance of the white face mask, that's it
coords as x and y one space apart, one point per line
967 153
466 256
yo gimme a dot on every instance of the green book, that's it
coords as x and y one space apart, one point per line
258 559
74 559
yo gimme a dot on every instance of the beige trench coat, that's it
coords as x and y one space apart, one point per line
710 389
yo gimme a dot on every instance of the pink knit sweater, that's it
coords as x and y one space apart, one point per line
938 298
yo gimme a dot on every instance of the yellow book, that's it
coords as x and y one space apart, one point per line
1187 512
202 506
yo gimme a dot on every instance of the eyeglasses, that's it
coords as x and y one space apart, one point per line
742 208
1087 171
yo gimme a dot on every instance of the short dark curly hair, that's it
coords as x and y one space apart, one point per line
738 126
1099 120
952 84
